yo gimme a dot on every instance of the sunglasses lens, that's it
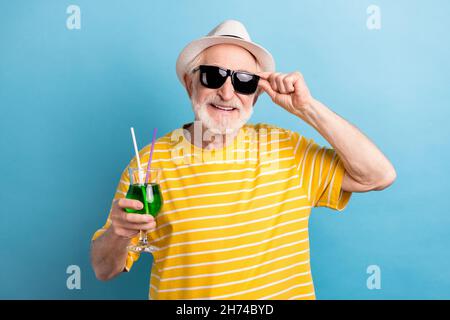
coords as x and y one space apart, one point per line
212 77
245 83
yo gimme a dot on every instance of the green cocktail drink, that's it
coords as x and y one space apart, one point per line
150 196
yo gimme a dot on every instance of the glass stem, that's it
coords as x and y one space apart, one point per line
142 237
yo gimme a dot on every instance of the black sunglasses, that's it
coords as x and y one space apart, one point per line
214 77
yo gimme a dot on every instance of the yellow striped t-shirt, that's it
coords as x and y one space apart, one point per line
234 224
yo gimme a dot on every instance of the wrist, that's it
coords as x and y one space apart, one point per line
308 112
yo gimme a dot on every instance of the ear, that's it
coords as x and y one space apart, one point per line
188 83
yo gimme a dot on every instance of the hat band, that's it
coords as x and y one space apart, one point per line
230 35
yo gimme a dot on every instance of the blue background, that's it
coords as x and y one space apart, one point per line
68 98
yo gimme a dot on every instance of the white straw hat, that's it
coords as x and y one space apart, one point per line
229 31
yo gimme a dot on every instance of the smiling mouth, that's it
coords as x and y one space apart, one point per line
222 108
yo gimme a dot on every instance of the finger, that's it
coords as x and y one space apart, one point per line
280 83
299 81
289 84
130 204
273 82
139 226
148 226
138 218
267 88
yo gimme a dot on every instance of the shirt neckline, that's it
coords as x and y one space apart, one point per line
187 143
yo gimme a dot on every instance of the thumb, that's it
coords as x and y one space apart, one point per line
267 88
138 204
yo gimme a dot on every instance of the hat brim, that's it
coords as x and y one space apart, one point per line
263 56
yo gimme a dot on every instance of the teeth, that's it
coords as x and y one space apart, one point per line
223 108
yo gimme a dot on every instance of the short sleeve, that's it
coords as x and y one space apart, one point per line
321 173
121 192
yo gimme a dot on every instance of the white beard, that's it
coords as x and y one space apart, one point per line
225 125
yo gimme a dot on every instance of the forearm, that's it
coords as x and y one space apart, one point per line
363 161
108 255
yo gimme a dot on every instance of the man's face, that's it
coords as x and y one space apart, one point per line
205 100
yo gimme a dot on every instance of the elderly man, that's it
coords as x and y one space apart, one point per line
237 228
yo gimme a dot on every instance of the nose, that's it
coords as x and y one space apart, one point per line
226 91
